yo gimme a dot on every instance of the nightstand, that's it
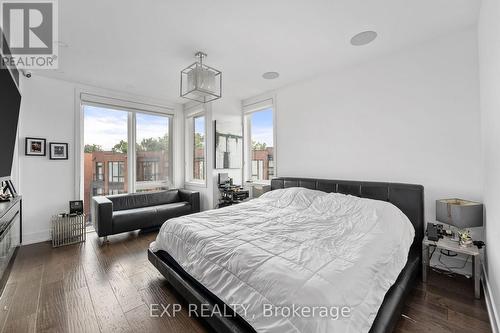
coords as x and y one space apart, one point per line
448 244
230 195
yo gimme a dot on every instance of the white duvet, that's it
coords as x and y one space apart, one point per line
295 249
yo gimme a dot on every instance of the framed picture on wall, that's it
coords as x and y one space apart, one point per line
228 145
58 151
35 147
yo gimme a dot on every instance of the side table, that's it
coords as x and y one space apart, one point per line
448 244
68 229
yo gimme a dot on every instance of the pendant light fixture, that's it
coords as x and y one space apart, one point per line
200 82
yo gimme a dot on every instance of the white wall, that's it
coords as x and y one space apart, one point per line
229 111
226 109
411 117
48 111
489 64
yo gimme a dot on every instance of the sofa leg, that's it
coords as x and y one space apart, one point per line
105 239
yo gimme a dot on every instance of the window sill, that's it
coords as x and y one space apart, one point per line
194 183
258 183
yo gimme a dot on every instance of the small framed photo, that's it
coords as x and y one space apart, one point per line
76 207
58 151
35 147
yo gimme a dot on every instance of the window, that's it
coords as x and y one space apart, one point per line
116 171
108 133
257 169
98 191
259 127
199 148
196 148
99 171
153 163
105 138
270 166
148 170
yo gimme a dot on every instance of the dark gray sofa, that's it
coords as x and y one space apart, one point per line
115 214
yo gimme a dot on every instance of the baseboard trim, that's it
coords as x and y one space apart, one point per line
36 237
490 304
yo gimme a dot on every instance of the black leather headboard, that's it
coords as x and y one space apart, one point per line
407 197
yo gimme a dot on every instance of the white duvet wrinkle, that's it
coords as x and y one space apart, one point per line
295 246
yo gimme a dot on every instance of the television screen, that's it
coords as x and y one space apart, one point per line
10 101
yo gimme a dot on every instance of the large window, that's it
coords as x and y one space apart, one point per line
152 152
199 148
260 145
113 137
196 148
105 152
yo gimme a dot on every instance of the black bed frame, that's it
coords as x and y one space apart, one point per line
407 197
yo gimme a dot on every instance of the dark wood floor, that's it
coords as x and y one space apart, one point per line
92 288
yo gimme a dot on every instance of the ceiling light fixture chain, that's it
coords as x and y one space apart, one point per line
200 55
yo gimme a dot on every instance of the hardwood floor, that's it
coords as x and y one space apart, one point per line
91 288
444 304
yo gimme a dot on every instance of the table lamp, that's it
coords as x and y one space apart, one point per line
459 213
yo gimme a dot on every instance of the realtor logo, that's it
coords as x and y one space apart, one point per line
29 34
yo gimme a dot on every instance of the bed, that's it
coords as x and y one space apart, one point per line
309 242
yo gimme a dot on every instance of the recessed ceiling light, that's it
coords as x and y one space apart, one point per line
363 38
271 75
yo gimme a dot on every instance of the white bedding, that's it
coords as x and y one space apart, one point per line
295 247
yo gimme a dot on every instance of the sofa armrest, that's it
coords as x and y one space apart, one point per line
102 215
192 197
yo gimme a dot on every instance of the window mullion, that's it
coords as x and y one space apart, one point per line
131 154
170 155
248 138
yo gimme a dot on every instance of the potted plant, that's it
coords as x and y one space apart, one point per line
464 238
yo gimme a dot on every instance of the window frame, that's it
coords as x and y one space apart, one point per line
250 107
170 175
189 152
151 168
83 98
99 176
119 175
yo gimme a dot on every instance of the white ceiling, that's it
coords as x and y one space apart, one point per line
141 46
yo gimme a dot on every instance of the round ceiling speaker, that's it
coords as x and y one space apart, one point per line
271 75
363 38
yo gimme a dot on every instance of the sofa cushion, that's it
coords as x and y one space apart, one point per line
132 219
138 200
147 217
163 197
128 201
168 211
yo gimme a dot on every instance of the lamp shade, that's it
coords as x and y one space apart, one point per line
200 82
459 213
